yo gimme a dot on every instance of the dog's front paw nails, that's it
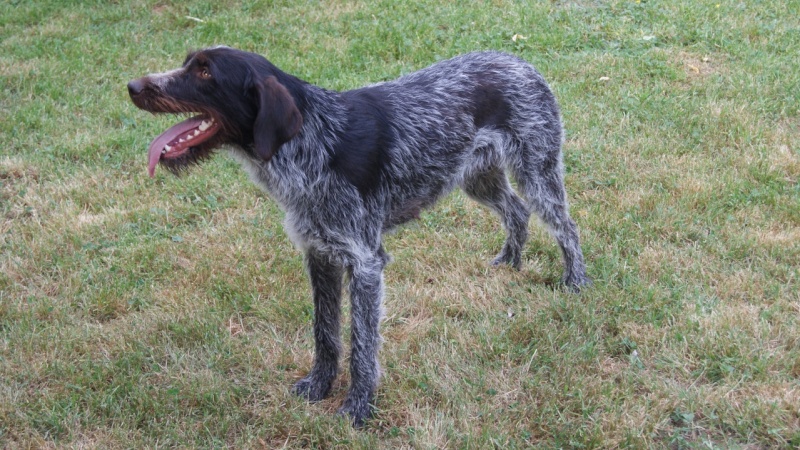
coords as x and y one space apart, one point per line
311 389
358 410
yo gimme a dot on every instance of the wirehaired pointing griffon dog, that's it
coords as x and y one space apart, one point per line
346 167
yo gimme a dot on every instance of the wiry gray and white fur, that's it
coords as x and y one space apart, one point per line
346 167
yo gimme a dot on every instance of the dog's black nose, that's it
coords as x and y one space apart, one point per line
135 87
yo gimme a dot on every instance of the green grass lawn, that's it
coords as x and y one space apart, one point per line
174 312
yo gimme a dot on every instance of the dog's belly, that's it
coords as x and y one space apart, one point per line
406 205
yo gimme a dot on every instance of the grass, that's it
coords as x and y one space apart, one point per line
175 313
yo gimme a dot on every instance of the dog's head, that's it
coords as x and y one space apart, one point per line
235 98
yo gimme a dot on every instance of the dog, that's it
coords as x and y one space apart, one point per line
347 167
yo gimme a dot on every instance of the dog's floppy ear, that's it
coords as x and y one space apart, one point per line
278 119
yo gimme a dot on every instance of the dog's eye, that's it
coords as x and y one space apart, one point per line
205 74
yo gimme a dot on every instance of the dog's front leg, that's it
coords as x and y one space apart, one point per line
326 285
366 292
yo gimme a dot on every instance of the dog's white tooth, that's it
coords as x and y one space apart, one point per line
181 140
204 125
166 148
196 132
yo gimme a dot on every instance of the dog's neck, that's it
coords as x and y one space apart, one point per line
299 165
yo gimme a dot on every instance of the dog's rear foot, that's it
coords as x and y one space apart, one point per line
576 282
510 257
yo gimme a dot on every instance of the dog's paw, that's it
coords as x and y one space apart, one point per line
576 282
511 258
311 389
358 410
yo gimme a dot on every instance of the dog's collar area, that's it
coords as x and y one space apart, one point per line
177 140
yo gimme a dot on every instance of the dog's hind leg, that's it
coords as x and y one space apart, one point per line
366 292
541 181
491 188
326 284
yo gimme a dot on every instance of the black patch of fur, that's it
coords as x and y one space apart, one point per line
361 153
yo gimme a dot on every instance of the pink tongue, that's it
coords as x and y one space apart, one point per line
173 133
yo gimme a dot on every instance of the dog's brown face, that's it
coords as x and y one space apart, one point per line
233 99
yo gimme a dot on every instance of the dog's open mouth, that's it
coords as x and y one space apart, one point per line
179 139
